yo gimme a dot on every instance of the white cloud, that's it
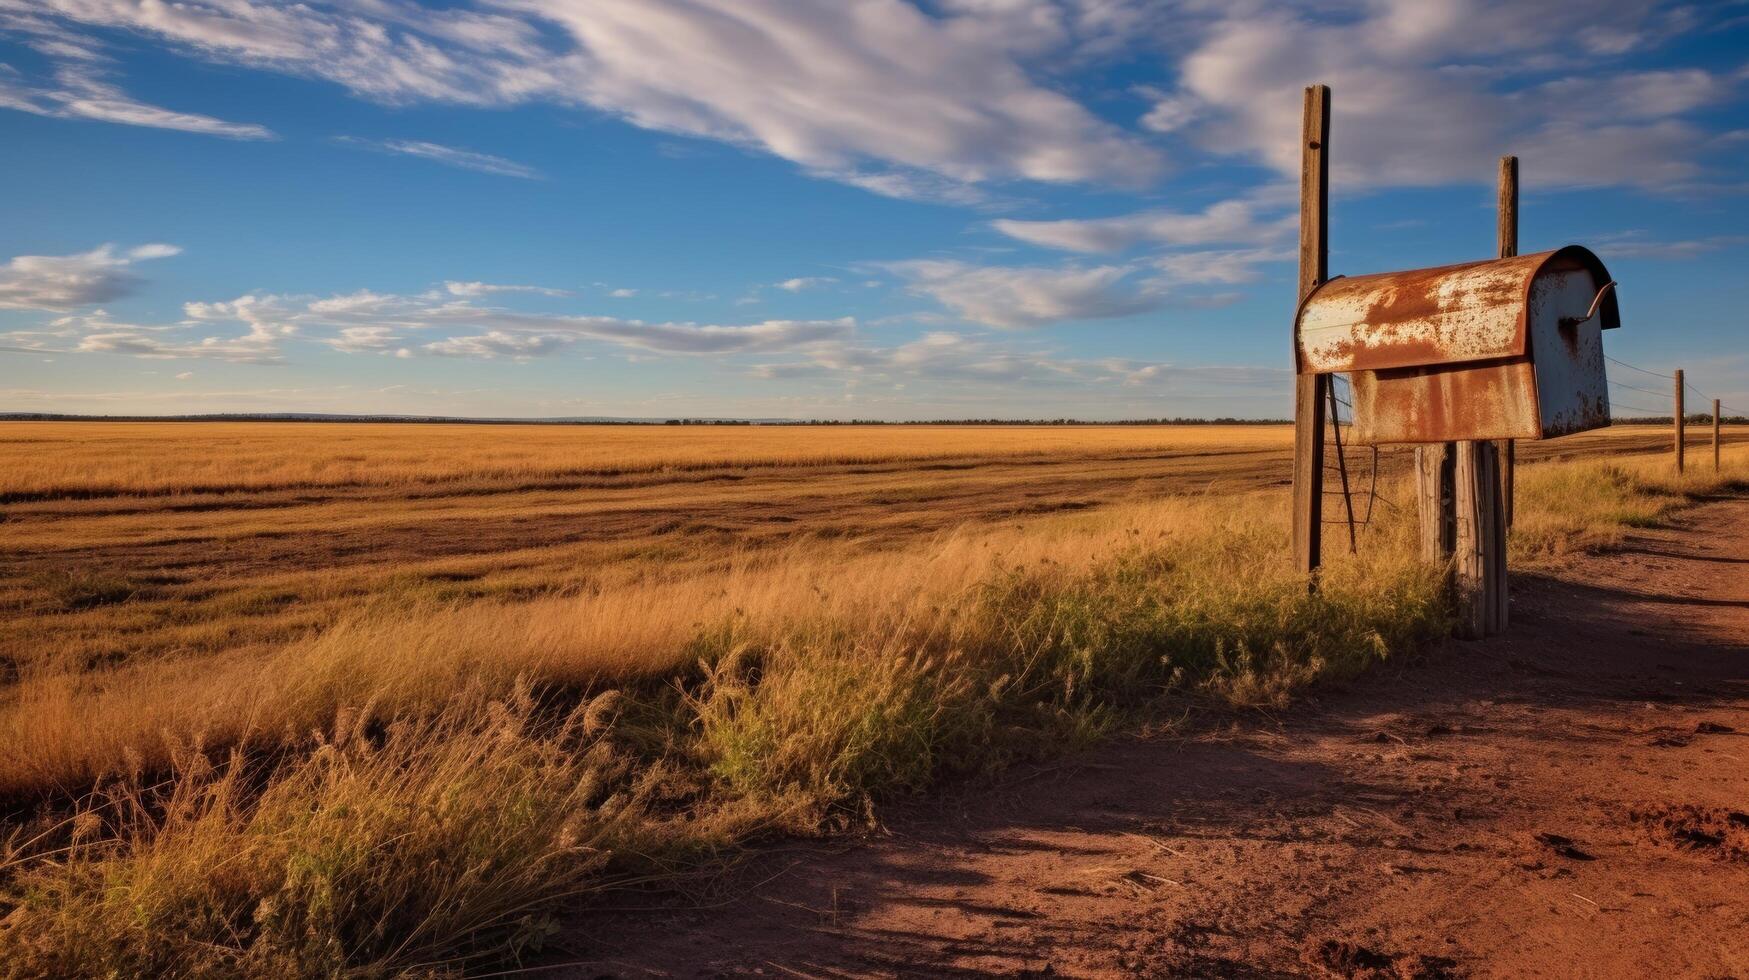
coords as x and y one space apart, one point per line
527 335
365 321
471 289
369 322
79 92
1424 92
960 358
1633 95
1635 245
690 338
64 282
623 293
1227 222
1170 113
366 340
449 156
830 86
100 335
1014 297
909 186
499 343
800 283
1584 154
1217 267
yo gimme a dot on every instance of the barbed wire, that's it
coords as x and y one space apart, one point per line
1686 384
1636 367
1624 384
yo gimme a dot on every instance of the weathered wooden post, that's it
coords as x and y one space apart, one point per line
1507 235
1715 435
1434 495
1481 535
1680 420
1309 386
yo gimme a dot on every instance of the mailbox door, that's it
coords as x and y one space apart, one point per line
1572 390
1443 403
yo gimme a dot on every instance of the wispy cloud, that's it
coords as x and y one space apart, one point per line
1225 223
78 91
471 289
449 156
967 359
98 334
1015 296
1636 245
935 104
1431 93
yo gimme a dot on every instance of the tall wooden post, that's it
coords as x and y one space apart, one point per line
1482 478
1715 435
1680 420
1309 389
1507 234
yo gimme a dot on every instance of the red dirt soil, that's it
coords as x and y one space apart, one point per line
1569 800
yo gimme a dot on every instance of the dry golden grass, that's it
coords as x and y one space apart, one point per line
70 459
135 562
311 761
131 559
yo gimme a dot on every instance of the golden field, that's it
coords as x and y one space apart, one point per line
128 541
329 699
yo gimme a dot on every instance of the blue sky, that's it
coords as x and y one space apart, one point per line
834 209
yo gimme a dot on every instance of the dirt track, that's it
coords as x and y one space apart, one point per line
1571 800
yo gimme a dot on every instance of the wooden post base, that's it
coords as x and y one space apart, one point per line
1479 572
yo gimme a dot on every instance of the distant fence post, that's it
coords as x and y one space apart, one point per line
1507 233
1679 421
1309 387
1715 435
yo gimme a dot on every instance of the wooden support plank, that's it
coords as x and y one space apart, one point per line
1479 568
1508 474
1497 582
1680 420
1506 233
1309 389
1433 493
1715 435
1469 566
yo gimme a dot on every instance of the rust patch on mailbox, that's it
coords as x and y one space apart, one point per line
1438 404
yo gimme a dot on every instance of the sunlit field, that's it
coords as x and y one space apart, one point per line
287 699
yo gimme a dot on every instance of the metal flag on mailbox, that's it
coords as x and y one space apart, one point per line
1502 349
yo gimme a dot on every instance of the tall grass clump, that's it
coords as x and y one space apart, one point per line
1592 505
1040 657
416 846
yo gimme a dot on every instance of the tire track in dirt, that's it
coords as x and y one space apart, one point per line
1569 800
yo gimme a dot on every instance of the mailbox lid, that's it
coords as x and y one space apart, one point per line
1454 314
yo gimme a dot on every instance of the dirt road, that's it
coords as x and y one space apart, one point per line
1568 801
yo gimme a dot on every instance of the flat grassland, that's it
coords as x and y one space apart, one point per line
284 698
127 541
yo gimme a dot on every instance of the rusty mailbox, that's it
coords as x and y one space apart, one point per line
1501 349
